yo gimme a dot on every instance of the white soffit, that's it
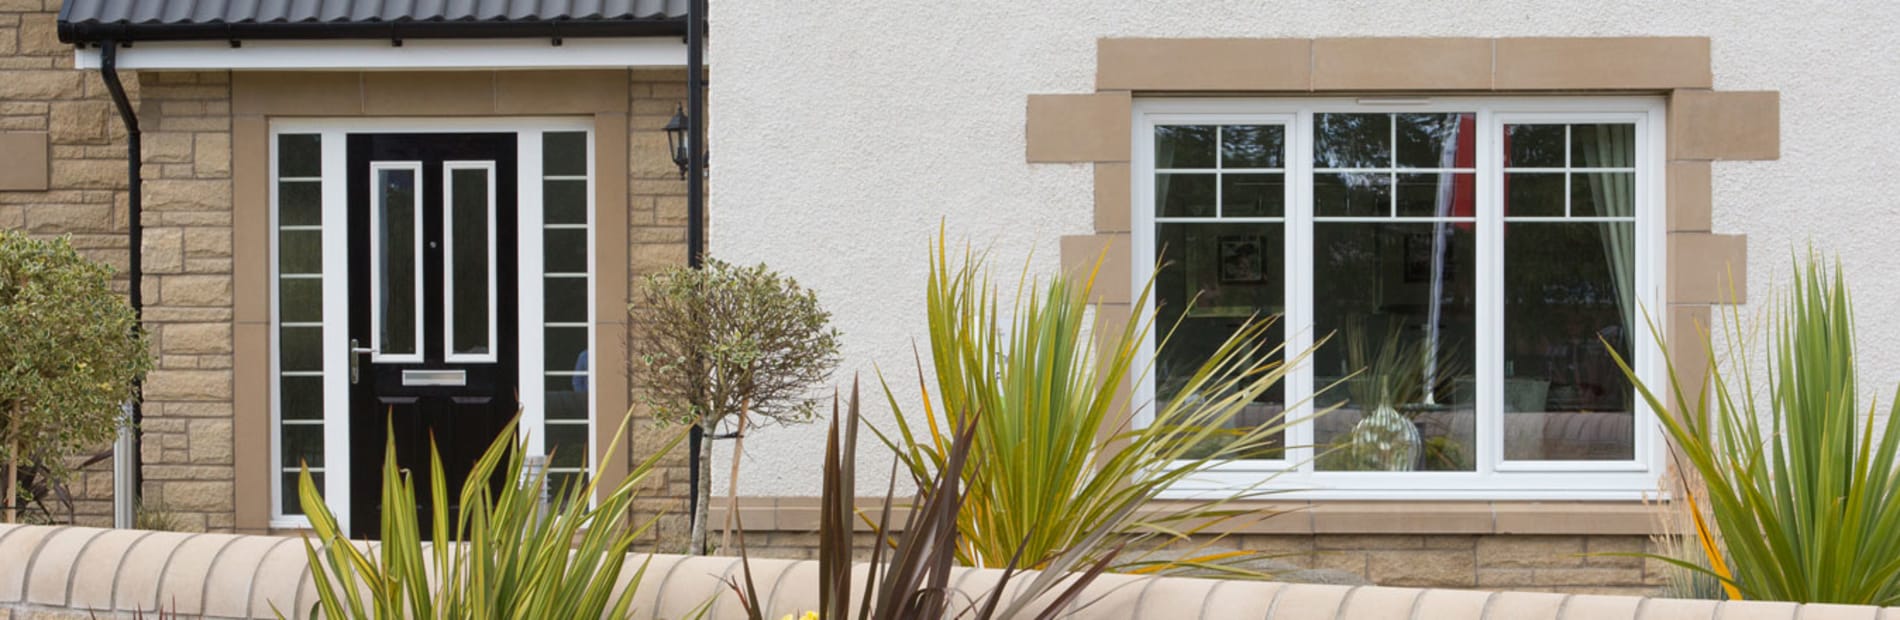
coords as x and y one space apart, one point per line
577 53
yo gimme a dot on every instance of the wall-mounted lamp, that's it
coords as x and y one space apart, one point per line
676 140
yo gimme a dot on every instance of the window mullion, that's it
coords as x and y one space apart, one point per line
1299 285
1489 361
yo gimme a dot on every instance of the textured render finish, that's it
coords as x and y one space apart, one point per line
225 576
840 172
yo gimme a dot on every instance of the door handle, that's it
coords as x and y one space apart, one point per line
356 360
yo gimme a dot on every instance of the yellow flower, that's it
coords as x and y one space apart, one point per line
810 615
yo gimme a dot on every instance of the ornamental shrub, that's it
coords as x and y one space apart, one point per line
70 351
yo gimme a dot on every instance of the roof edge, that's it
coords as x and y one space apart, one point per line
96 32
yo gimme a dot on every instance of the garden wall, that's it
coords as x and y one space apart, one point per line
75 572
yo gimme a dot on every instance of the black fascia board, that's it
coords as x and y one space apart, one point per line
95 32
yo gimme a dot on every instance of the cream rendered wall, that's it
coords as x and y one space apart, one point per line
847 131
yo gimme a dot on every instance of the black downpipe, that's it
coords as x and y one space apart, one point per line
135 229
695 202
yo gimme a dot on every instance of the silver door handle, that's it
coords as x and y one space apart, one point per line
356 357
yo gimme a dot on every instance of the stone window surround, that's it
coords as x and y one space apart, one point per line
1703 126
256 97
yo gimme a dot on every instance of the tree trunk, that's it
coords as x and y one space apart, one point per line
13 478
732 486
702 494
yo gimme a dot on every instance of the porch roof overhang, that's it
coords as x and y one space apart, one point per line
126 21
378 34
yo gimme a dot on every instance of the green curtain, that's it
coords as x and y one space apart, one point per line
1614 146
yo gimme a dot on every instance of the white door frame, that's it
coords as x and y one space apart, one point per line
531 385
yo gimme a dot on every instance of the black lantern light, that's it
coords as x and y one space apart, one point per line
676 139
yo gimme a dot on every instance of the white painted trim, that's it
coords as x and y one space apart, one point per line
414 54
532 350
378 350
335 134
1494 479
449 169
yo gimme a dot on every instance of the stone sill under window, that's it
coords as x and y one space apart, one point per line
800 514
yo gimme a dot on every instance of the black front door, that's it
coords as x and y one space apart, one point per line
432 308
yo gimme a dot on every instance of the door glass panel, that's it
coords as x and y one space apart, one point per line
398 261
471 268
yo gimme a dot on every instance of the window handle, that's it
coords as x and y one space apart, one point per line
356 360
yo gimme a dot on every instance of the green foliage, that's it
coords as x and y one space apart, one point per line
724 342
724 339
1799 477
517 560
1394 372
1057 459
70 350
909 576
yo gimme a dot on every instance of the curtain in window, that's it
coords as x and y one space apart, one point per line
1613 146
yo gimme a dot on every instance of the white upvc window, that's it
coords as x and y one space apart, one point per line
1466 259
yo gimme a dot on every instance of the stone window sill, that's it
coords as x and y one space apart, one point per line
1319 517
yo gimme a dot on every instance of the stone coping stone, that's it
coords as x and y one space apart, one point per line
58 572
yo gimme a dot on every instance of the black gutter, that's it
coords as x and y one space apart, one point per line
135 229
125 32
695 203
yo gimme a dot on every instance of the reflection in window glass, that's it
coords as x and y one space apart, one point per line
1184 146
566 336
299 304
1213 278
1569 295
469 266
1399 299
1357 140
1394 228
396 261
1564 397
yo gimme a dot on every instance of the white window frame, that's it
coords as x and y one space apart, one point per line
334 135
449 168
1494 478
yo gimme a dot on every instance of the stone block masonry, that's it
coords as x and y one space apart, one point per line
63 169
188 274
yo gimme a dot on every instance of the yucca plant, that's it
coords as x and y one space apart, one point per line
1057 458
517 558
910 571
1799 476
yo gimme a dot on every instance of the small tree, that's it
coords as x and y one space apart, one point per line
725 343
70 349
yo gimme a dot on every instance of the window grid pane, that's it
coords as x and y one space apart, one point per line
567 334
299 301
1570 196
